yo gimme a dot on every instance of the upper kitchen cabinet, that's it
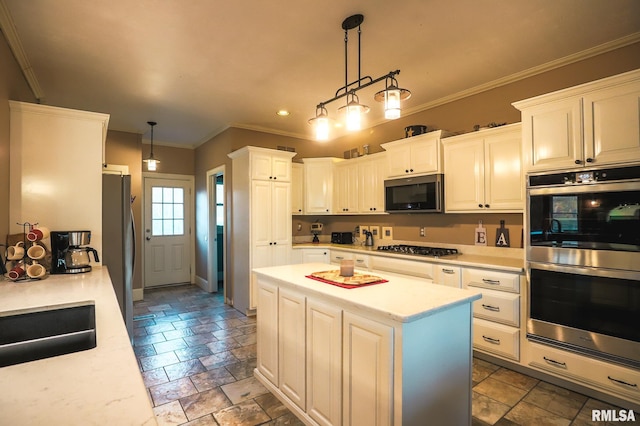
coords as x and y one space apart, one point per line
418 155
56 157
372 171
261 226
297 188
346 186
593 124
318 178
483 171
266 166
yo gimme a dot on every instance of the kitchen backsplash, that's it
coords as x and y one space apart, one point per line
438 228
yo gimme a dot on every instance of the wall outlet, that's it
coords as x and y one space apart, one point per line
387 233
375 231
422 231
362 228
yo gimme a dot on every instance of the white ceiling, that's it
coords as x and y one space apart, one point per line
199 66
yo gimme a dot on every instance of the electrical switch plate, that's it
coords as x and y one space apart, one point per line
387 233
375 231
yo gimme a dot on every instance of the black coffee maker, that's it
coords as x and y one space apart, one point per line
70 252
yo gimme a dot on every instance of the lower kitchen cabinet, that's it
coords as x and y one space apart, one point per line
497 339
368 371
291 345
324 363
267 332
609 378
448 275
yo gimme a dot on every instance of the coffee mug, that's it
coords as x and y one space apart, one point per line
16 272
36 252
37 234
15 252
36 271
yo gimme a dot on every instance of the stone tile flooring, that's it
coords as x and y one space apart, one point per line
197 356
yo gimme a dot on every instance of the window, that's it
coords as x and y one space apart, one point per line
167 211
565 211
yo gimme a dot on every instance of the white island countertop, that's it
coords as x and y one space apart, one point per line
99 386
402 299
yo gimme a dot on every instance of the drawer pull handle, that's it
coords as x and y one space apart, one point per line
491 308
492 282
339 257
491 340
359 260
554 362
622 382
448 271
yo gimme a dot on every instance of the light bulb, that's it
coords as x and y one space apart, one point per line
151 165
392 103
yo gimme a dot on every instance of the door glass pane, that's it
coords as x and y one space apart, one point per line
167 211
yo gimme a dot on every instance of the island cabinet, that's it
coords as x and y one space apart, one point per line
261 226
369 355
414 156
483 171
593 124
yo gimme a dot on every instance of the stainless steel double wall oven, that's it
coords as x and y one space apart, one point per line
583 262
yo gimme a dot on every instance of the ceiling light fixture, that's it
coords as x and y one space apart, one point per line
392 95
152 162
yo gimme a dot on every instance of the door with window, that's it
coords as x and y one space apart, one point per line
167 231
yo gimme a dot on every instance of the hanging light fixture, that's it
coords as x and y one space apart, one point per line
392 95
152 162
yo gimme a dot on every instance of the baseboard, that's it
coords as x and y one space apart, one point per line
202 283
138 294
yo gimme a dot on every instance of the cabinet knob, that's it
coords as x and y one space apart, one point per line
275 177
589 160
411 170
578 162
406 170
480 205
275 242
486 205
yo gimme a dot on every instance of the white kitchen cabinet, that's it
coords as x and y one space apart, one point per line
613 379
261 226
315 255
414 268
297 188
324 363
56 157
267 332
497 316
367 371
292 345
360 260
372 171
414 156
266 166
483 171
318 178
346 187
592 124
448 275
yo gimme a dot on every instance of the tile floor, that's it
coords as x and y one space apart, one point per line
197 356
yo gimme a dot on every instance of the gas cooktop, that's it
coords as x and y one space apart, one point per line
419 250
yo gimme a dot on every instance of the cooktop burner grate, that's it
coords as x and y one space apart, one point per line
419 250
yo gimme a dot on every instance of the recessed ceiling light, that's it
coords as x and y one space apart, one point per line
282 113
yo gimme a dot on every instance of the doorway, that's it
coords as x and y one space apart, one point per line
167 234
216 259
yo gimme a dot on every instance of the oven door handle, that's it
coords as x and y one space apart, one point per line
585 270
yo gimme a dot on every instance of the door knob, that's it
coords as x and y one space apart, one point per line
148 238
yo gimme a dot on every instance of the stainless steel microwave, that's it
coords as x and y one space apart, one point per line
420 194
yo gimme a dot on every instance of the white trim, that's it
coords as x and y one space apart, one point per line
192 234
202 283
138 294
211 233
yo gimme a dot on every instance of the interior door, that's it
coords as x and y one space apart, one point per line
167 254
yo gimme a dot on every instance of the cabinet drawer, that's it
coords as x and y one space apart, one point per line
593 372
498 306
361 261
338 256
413 268
497 338
491 279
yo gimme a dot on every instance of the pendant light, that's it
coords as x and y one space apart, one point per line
152 162
392 95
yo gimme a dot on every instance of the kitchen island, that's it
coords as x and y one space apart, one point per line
98 386
394 353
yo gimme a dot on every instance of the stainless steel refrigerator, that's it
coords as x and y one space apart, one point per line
118 240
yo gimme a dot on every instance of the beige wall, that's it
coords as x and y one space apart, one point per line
13 86
127 149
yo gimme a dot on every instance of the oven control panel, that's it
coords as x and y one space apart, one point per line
585 177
